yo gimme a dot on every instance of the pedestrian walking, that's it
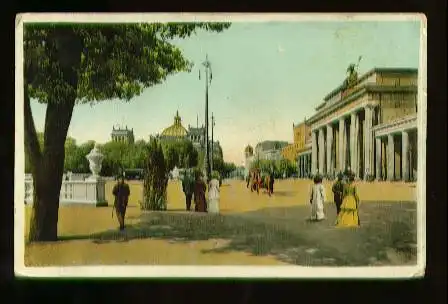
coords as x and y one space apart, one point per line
200 203
338 188
188 184
317 200
349 216
121 193
213 195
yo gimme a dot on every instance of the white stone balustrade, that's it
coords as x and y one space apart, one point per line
79 192
78 189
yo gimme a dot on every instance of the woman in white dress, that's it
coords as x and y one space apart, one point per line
213 195
317 200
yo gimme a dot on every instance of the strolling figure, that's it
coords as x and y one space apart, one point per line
348 216
213 195
121 193
338 188
200 203
188 188
271 183
317 200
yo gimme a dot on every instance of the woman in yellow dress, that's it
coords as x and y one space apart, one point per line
348 216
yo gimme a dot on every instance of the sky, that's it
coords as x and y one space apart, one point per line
266 76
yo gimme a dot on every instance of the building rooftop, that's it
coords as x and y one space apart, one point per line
367 75
176 129
271 145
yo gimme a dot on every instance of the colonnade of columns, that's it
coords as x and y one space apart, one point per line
304 165
396 156
345 144
349 144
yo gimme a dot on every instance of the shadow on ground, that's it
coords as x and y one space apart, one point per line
387 235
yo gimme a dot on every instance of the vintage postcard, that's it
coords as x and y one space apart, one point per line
220 145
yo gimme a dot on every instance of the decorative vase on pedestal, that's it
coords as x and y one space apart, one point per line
98 195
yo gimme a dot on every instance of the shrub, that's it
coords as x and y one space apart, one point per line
155 178
370 177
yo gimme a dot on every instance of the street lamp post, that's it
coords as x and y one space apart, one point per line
213 127
208 79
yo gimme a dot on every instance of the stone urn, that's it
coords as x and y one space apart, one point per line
95 158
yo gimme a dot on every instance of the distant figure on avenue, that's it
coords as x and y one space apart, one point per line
213 195
271 183
200 203
188 185
121 193
348 216
338 188
317 200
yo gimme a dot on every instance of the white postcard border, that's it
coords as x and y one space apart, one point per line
215 271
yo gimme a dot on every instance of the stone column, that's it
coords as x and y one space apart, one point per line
390 157
303 165
352 141
308 164
313 152
368 145
378 157
321 151
329 149
298 166
341 152
405 155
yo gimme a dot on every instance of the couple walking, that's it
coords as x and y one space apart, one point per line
345 198
196 187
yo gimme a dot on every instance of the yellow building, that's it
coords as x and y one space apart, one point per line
300 149
302 145
289 152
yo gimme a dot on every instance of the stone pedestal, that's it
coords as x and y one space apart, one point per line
95 185
96 191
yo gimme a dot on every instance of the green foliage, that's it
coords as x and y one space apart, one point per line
156 178
227 169
111 61
181 154
279 167
75 157
122 155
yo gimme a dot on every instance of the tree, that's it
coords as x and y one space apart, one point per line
228 169
69 64
181 154
116 157
155 178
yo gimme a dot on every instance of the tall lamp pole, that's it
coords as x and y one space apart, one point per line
213 127
208 80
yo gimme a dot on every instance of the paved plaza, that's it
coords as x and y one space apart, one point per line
251 230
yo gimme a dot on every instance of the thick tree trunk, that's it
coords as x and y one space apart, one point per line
47 166
48 173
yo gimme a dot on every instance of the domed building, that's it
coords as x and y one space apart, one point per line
194 134
176 131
